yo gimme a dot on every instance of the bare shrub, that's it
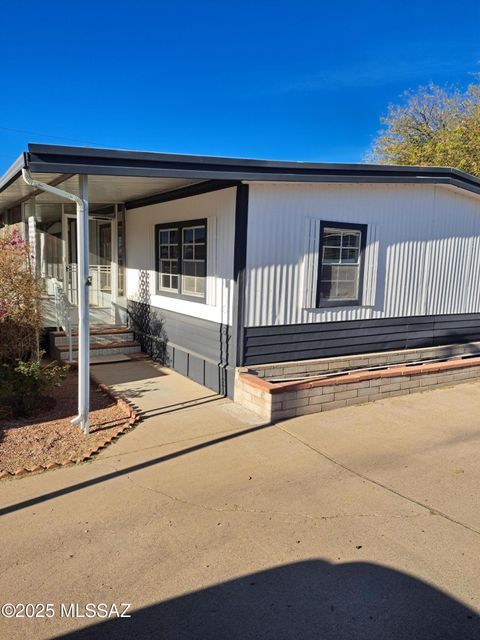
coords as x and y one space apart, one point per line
20 295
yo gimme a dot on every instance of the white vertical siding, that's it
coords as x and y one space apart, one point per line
422 255
309 267
212 250
371 266
219 209
454 269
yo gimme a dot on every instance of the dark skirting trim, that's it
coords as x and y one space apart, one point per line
196 348
265 345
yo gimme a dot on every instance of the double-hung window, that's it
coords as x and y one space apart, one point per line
181 258
167 254
341 264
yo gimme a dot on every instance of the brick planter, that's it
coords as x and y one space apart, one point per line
277 401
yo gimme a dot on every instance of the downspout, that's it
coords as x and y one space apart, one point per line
83 283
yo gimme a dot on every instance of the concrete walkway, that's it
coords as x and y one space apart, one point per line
361 523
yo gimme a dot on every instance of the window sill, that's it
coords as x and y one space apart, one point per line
343 307
335 304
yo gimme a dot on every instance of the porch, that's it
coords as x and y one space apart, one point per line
52 235
49 223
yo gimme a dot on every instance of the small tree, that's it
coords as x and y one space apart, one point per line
20 296
434 126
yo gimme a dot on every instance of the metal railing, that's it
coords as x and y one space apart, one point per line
63 314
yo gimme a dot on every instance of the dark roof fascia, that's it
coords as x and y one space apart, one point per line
83 160
83 153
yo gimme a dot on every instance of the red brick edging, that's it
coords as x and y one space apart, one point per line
134 418
360 376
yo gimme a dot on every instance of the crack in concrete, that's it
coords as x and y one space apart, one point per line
239 509
358 474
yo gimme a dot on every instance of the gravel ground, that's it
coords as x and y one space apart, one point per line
47 436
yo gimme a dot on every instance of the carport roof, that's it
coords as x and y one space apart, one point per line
135 177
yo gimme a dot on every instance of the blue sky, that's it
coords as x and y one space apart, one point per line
292 80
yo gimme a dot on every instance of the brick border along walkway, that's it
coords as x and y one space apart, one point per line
131 418
276 401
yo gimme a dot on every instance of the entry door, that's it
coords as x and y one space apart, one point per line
100 270
105 242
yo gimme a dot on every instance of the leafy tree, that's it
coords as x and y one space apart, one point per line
433 126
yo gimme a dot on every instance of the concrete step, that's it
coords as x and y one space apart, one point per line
60 352
98 335
118 357
97 329
100 339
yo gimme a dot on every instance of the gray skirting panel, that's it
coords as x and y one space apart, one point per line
196 348
320 340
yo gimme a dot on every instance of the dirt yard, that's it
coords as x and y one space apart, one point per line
48 437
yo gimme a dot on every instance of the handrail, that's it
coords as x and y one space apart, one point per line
63 314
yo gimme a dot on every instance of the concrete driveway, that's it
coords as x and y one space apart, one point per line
360 523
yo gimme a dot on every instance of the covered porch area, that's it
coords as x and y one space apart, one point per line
49 223
56 252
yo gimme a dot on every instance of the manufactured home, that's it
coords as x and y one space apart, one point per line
223 267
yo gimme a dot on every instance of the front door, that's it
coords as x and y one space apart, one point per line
100 233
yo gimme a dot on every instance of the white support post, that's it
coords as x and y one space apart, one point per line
114 262
42 261
83 307
65 253
83 288
32 232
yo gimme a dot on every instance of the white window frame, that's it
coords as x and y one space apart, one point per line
180 227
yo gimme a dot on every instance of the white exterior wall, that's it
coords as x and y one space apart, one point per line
422 255
219 209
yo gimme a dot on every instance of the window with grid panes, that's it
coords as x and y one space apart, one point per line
193 260
168 260
181 258
340 269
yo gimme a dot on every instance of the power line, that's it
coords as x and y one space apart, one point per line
48 135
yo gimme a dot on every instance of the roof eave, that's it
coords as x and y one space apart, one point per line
84 160
41 158
13 172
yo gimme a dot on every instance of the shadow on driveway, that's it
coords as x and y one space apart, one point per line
305 600
128 470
